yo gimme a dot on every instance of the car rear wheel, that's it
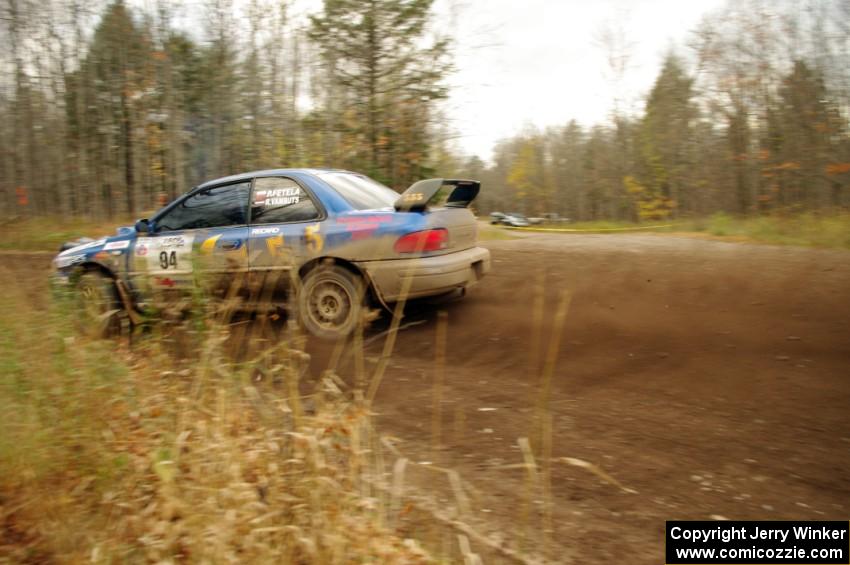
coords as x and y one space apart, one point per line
330 302
97 305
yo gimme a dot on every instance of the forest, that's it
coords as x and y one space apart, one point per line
111 109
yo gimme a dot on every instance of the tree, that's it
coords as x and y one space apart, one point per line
665 135
117 68
373 51
806 127
567 145
526 175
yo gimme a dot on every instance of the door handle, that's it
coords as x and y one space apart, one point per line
231 244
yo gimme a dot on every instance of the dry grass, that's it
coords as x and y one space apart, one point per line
489 232
826 230
116 454
830 229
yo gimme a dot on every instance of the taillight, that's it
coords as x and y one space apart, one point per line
420 241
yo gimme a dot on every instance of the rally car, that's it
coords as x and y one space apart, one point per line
325 242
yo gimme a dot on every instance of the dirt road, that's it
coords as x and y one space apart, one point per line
711 378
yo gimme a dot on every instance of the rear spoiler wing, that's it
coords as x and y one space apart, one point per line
451 193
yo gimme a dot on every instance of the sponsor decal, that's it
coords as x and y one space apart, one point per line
167 282
141 250
362 227
371 219
83 247
277 196
174 241
315 241
412 197
208 246
265 231
275 246
115 245
65 261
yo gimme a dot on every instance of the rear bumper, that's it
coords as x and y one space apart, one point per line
429 275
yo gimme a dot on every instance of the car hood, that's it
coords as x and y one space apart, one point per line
104 250
79 245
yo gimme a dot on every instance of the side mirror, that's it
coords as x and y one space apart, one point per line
143 226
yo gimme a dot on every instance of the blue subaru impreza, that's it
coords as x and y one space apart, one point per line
327 242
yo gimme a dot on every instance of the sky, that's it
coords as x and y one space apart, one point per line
539 63
522 63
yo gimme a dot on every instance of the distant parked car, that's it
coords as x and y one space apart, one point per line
515 220
554 218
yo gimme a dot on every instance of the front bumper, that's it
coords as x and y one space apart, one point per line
429 275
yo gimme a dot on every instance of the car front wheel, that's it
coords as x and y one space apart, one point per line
330 301
97 305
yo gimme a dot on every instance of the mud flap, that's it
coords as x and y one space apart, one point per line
135 318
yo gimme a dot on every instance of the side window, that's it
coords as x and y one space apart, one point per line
278 200
210 208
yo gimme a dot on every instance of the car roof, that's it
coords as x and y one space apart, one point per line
267 173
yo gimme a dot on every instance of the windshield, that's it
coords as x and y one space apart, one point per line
360 191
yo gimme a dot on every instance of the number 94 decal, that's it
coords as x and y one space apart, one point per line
168 259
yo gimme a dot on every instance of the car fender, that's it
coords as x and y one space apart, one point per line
106 255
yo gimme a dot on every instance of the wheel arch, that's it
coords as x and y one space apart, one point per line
93 266
118 287
371 288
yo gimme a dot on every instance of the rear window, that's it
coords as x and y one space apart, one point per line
360 191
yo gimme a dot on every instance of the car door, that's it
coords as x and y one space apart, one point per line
285 230
200 241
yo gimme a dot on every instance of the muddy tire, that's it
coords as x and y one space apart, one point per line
330 302
97 305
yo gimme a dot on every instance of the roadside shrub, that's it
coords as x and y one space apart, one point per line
720 224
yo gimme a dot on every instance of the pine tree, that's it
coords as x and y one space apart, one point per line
805 144
373 52
664 138
117 67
